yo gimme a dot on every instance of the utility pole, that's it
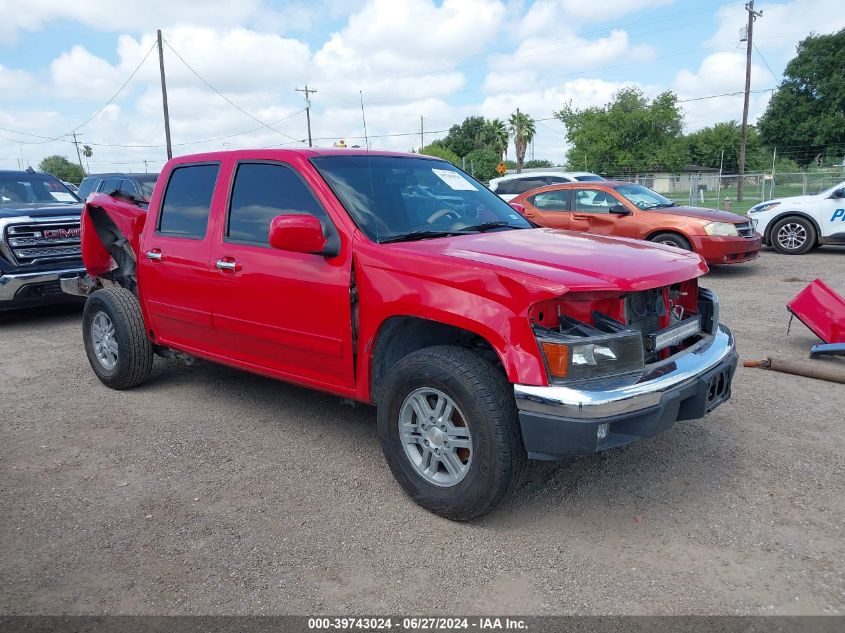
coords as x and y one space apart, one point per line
307 92
145 166
164 97
78 155
752 15
364 120
422 134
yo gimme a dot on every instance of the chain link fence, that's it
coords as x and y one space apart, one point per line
719 191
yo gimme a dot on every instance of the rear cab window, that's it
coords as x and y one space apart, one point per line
187 201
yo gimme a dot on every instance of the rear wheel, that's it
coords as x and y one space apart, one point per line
448 427
115 339
793 236
672 239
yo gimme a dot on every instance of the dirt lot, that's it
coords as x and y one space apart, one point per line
208 490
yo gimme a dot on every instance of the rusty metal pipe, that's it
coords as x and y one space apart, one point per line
800 368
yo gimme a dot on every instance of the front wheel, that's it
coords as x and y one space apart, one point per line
115 338
448 427
672 239
793 236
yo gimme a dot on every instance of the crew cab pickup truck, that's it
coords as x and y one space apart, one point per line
39 238
399 281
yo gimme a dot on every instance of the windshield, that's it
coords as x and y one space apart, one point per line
644 198
33 188
147 184
392 198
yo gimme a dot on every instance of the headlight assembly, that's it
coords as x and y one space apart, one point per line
721 229
763 207
581 359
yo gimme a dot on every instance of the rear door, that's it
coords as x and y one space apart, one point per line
549 208
833 217
278 311
175 277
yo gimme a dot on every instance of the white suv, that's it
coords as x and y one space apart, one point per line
795 225
510 186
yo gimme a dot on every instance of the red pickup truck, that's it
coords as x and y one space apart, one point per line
397 280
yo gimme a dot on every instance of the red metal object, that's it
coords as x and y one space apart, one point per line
288 315
822 310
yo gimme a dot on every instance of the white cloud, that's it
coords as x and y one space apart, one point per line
15 83
721 73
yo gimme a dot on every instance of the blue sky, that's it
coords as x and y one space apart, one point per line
443 60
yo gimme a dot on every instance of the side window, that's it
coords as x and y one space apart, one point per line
187 201
261 192
86 187
593 201
505 187
556 180
127 186
527 184
551 200
110 184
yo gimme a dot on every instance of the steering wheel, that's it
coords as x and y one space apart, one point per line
442 213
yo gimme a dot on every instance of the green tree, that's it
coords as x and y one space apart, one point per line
438 150
522 129
808 108
538 163
705 147
466 136
482 163
87 152
494 135
628 135
62 168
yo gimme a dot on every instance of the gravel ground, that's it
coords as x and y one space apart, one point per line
211 491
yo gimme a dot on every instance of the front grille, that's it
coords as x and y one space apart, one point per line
44 242
746 229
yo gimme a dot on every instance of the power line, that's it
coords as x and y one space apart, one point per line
225 98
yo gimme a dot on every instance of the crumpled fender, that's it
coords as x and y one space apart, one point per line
106 220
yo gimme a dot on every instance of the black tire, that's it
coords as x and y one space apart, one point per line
134 355
793 235
485 399
672 239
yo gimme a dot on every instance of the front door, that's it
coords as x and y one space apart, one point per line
174 274
276 311
549 208
833 217
591 214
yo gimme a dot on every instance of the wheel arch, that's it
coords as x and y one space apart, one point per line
767 236
399 335
675 231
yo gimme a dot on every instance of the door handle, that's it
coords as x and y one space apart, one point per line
580 217
222 264
154 254
528 214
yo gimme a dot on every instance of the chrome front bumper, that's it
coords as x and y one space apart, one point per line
671 375
10 284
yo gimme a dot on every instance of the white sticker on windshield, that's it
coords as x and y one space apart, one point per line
63 196
454 180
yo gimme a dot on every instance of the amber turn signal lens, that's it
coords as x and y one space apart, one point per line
557 356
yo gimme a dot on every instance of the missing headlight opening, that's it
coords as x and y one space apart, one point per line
617 336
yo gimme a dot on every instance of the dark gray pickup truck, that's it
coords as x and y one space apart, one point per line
39 238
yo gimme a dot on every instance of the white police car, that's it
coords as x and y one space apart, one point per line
795 225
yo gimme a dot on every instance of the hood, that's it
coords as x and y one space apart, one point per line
566 260
791 200
700 213
40 210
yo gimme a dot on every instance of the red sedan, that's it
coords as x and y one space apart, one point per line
626 209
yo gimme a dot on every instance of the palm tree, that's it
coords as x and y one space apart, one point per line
495 134
522 129
87 152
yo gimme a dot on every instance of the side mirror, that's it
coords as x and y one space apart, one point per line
839 193
518 207
618 209
298 234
